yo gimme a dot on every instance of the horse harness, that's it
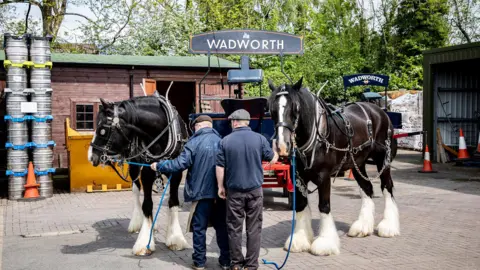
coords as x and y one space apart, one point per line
317 138
175 141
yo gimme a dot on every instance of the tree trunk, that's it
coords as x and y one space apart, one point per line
52 16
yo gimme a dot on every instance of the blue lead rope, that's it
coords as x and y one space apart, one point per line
293 215
159 206
161 200
134 163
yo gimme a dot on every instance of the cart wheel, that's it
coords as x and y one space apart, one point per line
285 192
290 200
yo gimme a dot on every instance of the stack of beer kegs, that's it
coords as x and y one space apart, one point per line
41 94
16 55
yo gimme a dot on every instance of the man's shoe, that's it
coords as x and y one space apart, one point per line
195 267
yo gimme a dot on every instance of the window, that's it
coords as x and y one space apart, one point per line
84 116
84 113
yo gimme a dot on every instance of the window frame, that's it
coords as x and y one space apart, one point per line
96 108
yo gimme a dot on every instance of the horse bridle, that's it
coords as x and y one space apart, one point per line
285 124
315 138
106 130
293 128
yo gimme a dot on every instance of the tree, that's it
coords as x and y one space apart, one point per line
110 17
385 15
53 12
164 32
420 25
465 20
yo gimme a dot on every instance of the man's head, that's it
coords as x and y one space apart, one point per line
239 118
202 121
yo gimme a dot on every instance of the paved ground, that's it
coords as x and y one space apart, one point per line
439 215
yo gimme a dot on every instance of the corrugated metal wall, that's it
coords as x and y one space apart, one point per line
443 67
457 100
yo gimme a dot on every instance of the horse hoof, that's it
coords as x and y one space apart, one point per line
143 252
176 243
359 229
300 243
387 228
175 248
133 230
324 246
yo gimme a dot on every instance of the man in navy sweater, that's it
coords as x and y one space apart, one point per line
199 156
240 162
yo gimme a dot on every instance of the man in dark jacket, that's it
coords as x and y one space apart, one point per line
199 157
240 162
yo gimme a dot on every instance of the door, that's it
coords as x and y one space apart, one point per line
149 86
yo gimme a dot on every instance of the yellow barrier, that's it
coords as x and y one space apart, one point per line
83 176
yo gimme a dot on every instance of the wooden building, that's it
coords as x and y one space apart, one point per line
80 80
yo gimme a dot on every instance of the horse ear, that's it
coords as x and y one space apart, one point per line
105 104
270 84
298 85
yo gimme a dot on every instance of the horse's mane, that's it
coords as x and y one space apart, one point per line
132 106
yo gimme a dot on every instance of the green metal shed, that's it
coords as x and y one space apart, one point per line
451 94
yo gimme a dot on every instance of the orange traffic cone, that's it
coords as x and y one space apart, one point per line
462 151
350 176
477 153
31 188
427 164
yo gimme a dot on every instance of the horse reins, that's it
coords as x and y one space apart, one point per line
105 158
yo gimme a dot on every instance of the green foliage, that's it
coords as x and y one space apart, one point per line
341 37
420 25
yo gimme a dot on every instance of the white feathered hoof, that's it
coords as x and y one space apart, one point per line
326 246
328 242
137 216
303 235
364 225
387 228
176 242
390 225
140 247
175 239
135 223
143 252
361 228
300 243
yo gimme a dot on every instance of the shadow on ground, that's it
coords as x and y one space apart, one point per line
111 239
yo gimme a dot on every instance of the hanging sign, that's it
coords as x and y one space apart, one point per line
246 42
365 79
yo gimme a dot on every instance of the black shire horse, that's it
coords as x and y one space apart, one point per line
330 142
124 130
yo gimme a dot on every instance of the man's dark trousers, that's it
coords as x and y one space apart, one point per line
216 211
240 205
